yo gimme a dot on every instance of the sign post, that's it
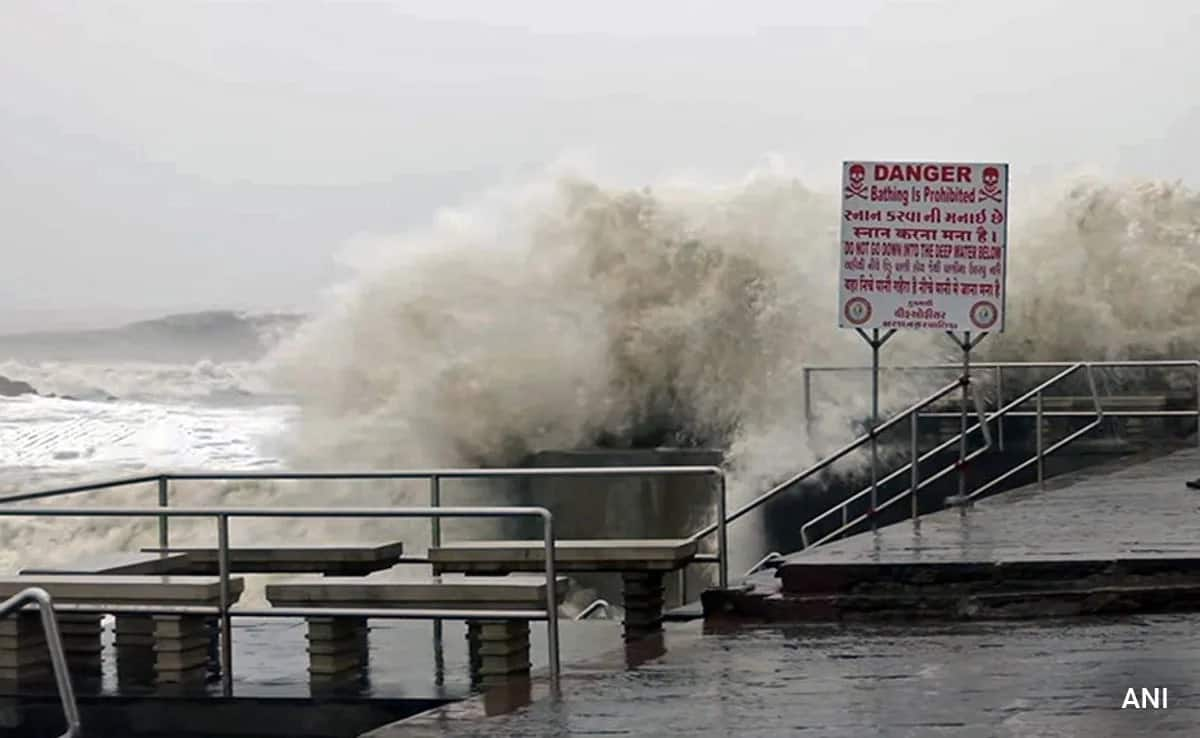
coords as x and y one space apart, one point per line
923 247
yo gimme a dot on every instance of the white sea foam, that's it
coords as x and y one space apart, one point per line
563 313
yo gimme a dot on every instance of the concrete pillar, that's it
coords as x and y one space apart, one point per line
81 644
643 592
337 649
24 657
181 649
499 651
133 640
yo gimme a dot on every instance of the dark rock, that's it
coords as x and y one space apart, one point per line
15 388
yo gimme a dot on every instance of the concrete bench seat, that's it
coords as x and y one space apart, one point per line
488 557
124 589
501 593
337 646
329 559
642 564
116 563
171 648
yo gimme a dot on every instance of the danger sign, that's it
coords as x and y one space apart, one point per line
923 246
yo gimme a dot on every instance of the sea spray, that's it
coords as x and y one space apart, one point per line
567 313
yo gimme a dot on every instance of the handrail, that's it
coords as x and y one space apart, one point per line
825 462
1042 453
58 659
762 562
984 419
434 477
843 506
1116 364
998 368
596 605
222 515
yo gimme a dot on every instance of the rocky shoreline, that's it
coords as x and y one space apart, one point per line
15 388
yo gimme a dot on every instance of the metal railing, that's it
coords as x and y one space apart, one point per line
433 476
58 658
998 369
913 466
599 604
828 461
225 612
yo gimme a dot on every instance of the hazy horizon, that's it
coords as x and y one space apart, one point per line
167 157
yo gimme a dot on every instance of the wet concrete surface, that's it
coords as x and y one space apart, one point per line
1142 509
1054 679
407 674
270 659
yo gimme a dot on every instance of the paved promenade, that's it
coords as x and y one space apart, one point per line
1059 679
1142 509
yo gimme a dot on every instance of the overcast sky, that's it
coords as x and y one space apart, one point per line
165 155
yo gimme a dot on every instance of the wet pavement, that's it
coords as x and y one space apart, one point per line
1102 513
1060 679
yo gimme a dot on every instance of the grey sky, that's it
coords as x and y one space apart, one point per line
166 155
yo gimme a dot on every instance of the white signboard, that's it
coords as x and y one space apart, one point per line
923 246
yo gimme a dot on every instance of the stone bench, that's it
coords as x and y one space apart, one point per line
172 648
331 559
337 646
642 564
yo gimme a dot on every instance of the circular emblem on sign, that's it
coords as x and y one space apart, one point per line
984 314
857 310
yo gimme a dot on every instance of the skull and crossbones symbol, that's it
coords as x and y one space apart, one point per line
858 185
991 185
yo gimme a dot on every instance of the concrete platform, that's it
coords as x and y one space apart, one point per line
649 554
330 559
965 680
521 592
1108 540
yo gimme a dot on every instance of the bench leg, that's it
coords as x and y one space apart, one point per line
133 639
181 648
643 603
24 657
499 651
81 644
337 649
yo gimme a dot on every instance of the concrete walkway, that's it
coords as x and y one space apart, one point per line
978 680
1138 510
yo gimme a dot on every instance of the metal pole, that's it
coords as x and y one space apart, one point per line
1000 404
1041 476
163 501
722 535
551 603
916 469
435 500
874 422
808 399
962 441
435 540
226 621
1198 403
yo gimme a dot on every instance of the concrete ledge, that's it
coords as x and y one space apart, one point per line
116 563
335 559
646 554
746 604
832 577
449 592
124 589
